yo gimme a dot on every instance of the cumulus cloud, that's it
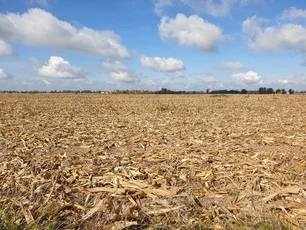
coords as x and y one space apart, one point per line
39 28
57 67
230 65
111 66
191 31
162 64
6 49
216 8
285 36
119 72
209 79
252 25
4 75
293 14
126 77
160 5
249 77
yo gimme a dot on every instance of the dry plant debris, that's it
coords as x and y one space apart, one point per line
152 161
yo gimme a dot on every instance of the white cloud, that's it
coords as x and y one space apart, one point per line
4 75
119 72
126 77
283 81
42 3
160 5
216 8
286 36
6 49
251 25
111 66
231 65
249 77
57 67
286 81
162 64
209 79
47 83
39 28
190 31
293 14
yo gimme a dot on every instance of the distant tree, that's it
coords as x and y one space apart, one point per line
278 91
270 91
244 91
86 91
165 90
224 91
284 91
291 91
207 91
262 90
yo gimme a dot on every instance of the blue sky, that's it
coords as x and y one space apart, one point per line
150 44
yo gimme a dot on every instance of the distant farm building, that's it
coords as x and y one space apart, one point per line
106 92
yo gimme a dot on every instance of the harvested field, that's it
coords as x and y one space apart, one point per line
152 161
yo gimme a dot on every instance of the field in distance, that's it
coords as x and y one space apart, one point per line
86 161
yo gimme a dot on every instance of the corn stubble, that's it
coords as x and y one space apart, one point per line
152 162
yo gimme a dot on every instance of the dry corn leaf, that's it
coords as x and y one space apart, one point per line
120 225
288 190
163 211
95 209
27 214
118 191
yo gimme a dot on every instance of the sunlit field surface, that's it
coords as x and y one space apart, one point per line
81 161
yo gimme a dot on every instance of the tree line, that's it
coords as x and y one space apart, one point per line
261 90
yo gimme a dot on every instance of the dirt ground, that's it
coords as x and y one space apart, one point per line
81 161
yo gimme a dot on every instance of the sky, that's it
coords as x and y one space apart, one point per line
152 44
